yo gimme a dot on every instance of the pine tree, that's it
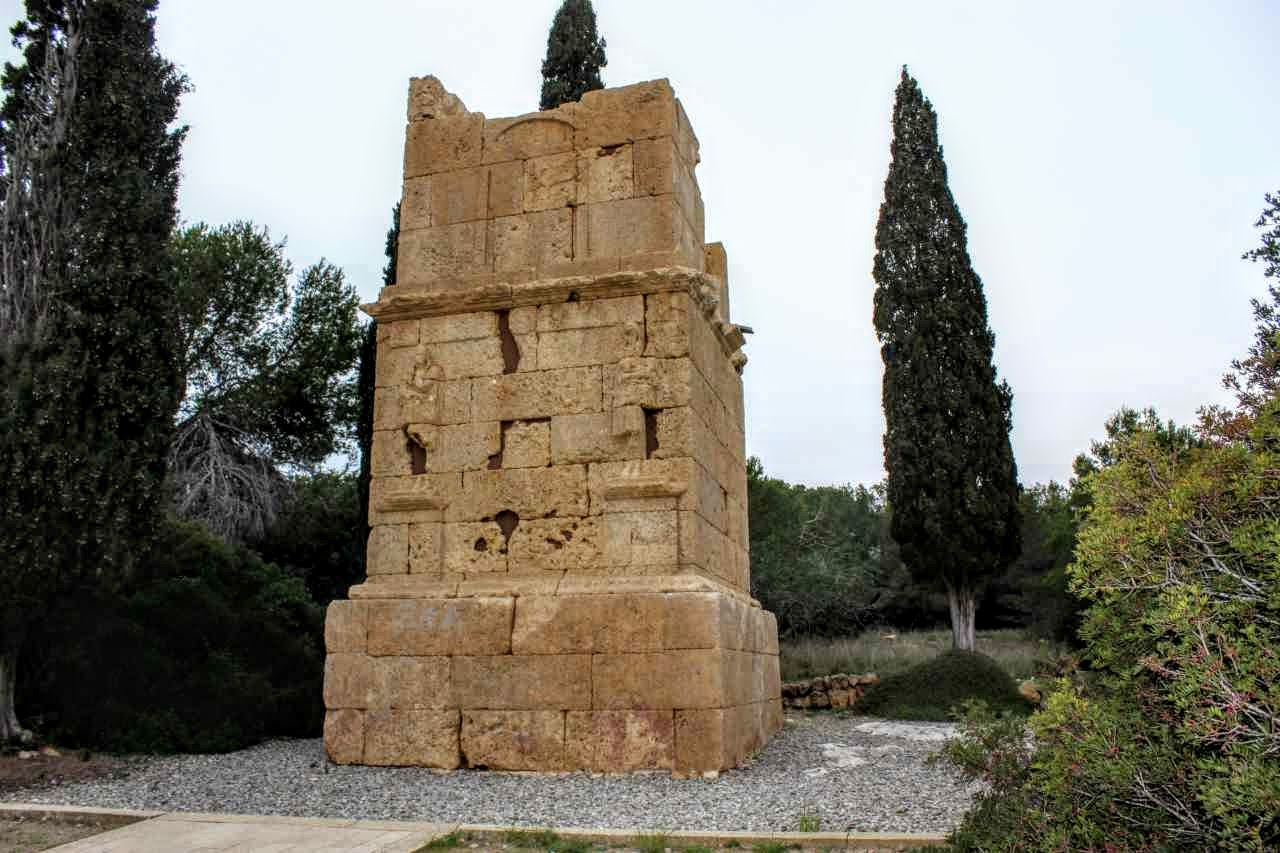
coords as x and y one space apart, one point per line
952 482
575 55
90 378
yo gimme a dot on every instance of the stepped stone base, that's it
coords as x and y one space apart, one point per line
667 673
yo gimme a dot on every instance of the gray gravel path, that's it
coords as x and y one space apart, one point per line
853 773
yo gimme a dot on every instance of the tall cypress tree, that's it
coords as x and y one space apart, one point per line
953 484
90 381
575 55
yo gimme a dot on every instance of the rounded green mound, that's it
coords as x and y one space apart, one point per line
930 690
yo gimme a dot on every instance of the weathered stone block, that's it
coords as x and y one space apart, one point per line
532 240
388 552
704 546
345 627
686 139
474 546
458 327
605 174
412 738
443 144
700 741
438 255
426 548
412 500
654 383
506 189
514 740
398 333
624 114
579 347
556 545
620 741
598 436
431 402
526 396
667 317
692 620
627 227
531 135
554 625
459 447
641 538
459 196
654 162
344 736
508 585
526 444
415 204
657 680
590 313
412 682
716 263
451 626
528 492
463 359
550 182
429 99
522 682
390 455
349 681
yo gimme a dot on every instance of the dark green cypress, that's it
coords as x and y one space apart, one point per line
91 390
953 483
575 55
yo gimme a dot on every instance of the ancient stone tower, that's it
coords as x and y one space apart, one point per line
557 572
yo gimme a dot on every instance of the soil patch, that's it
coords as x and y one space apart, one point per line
47 770
28 835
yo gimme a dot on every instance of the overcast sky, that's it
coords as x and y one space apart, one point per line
1110 161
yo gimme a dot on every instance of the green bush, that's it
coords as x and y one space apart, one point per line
931 690
209 649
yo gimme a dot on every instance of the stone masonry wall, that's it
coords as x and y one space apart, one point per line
558 574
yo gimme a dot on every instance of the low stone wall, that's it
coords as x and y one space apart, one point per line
827 691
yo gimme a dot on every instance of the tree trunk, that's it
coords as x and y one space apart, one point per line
964 608
9 728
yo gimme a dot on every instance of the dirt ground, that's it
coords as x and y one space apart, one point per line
45 769
28 835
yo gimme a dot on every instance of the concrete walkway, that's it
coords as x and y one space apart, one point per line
206 833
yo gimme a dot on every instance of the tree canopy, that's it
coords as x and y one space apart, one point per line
575 55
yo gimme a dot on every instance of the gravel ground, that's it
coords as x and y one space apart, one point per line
853 773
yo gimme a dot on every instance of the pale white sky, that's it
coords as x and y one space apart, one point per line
1110 159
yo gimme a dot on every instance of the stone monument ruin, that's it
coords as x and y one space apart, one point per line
557 568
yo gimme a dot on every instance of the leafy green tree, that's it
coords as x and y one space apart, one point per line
575 55
952 484
89 350
1256 377
312 537
269 374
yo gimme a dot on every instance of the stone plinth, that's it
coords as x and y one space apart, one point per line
557 567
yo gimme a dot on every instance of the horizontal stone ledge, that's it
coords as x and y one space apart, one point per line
561 584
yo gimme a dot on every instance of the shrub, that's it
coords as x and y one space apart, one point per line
209 649
931 690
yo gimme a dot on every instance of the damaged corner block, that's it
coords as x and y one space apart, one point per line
557 558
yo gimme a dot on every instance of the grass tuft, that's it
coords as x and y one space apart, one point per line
930 690
655 843
444 842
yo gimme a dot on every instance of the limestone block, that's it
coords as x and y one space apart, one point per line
344 736
349 681
531 135
437 255
553 625
590 313
641 538
386 408
432 402
556 545
344 626
739 678
474 546
626 227
684 479
654 383
526 396
581 347
396 367
620 741
766 678
773 717
412 500
526 444
532 240
624 114
523 319
581 266
407 738
560 490
666 324
398 333
736 527
403 587
704 546
686 139
657 680
388 551
459 196
458 327
514 740
412 682
598 436
654 166
522 682
450 626
390 455
692 620
442 144
716 262
428 99
550 182
508 585
459 447
689 198
464 359
506 189
415 205
605 174
700 741
426 548
766 641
